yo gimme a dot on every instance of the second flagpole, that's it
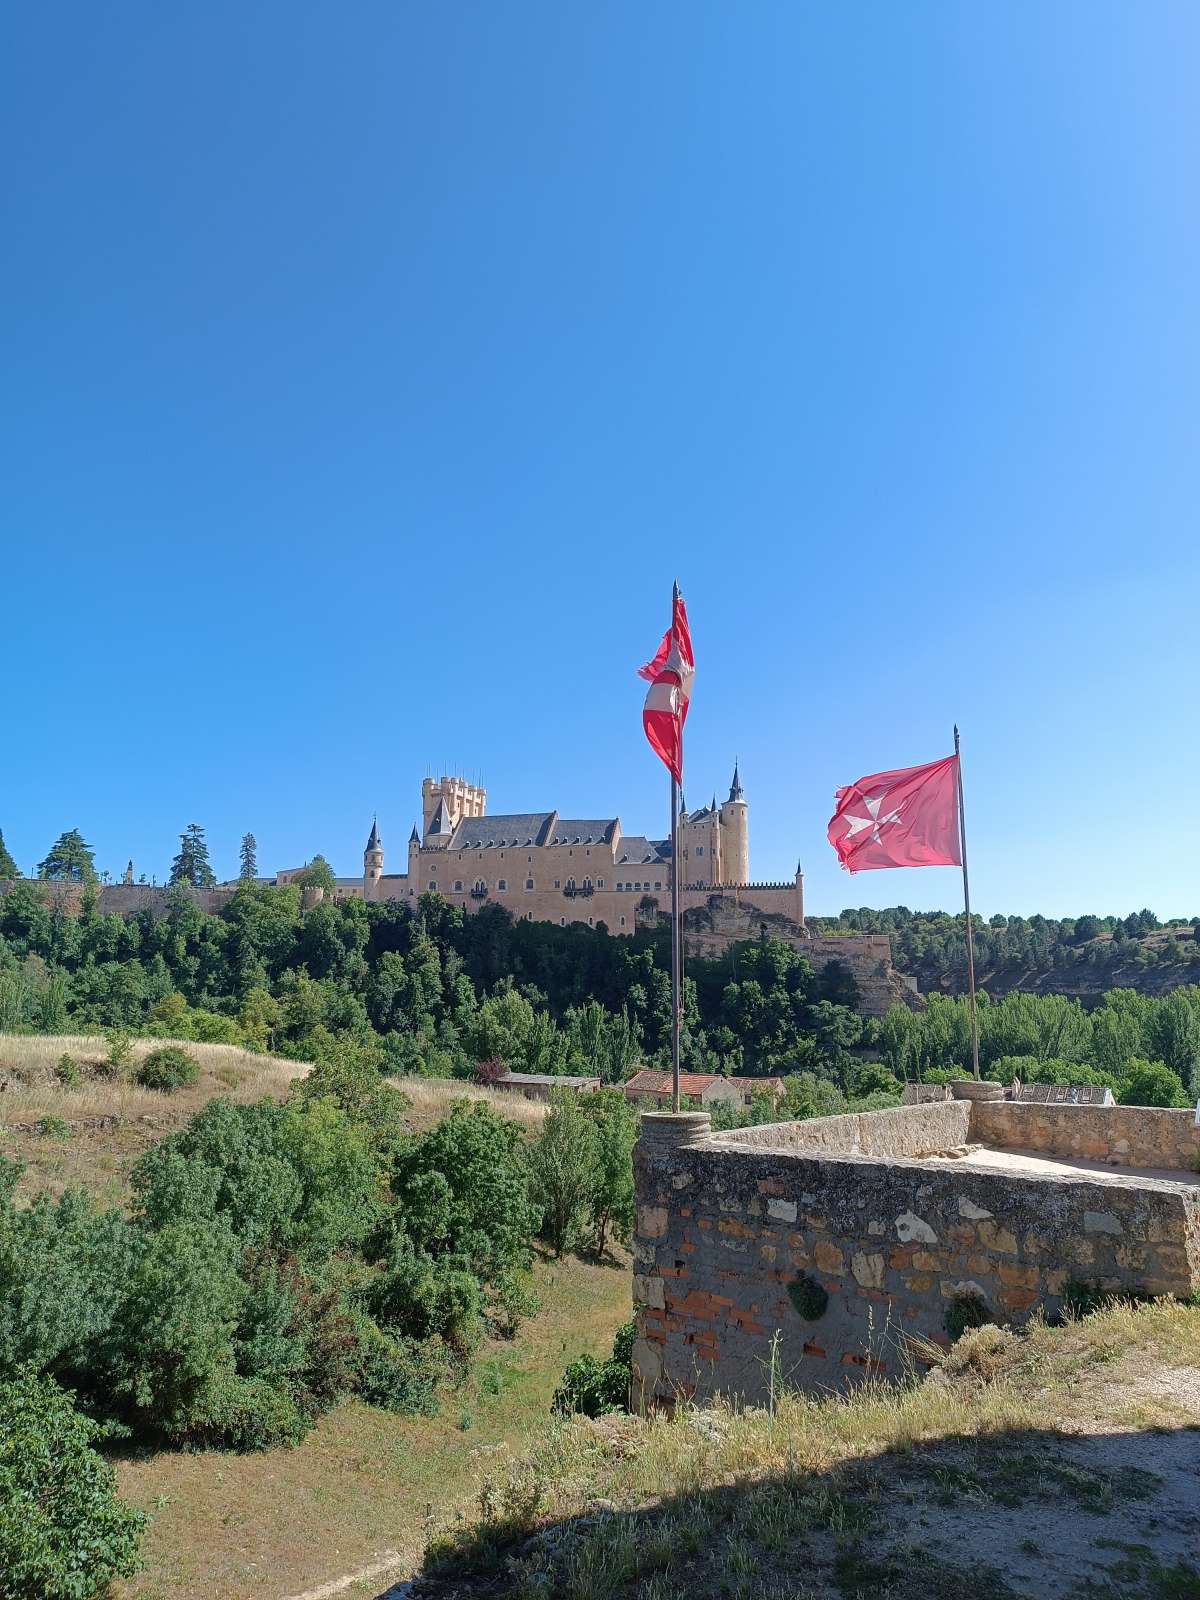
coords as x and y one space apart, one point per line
962 850
676 932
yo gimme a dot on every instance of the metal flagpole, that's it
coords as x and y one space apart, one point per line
962 850
676 940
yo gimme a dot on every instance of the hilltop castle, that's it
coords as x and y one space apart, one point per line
547 868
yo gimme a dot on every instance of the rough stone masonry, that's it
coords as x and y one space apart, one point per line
806 1253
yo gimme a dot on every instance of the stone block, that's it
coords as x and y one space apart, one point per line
783 1210
867 1269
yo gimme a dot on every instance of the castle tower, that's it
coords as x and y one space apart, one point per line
735 834
372 861
460 799
799 895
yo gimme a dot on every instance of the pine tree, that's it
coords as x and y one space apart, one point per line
8 867
70 860
191 866
249 856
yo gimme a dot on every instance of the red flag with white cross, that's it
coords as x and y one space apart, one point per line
670 677
906 818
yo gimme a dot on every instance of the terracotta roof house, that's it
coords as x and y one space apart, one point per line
699 1088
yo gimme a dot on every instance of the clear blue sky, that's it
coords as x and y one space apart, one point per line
370 371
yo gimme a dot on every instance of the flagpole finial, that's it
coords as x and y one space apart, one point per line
956 738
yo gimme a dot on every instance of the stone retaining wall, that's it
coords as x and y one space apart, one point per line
835 1259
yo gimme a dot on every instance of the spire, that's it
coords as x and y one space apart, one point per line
713 807
799 870
736 792
373 842
414 837
440 822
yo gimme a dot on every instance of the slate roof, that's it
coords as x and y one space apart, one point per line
635 850
569 832
439 824
373 841
514 831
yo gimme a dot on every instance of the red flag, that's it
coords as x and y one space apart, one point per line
670 677
907 818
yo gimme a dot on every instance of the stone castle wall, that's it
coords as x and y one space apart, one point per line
762 1239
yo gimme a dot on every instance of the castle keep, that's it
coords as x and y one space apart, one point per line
546 868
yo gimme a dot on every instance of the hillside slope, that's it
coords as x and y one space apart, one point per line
1063 1463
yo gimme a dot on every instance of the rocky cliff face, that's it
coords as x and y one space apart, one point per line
710 930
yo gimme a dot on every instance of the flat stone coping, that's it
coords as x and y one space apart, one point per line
1058 1166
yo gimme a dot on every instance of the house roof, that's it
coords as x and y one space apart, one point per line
693 1083
1063 1094
553 1079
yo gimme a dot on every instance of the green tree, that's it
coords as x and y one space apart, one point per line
8 867
249 857
564 1169
1151 1083
616 1125
64 1534
191 866
70 860
318 874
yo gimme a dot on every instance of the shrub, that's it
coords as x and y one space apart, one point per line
120 1050
64 1534
168 1068
53 1128
67 1071
512 1299
598 1388
966 1310
809 1297
395 1374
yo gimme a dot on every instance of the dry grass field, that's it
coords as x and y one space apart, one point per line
1063 1463
94 1133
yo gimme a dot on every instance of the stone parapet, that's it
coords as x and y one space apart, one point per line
1120 1136
758 1262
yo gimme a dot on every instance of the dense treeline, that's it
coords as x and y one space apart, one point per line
1146 1049
931 945
435 991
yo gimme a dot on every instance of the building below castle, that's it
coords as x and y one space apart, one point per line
545 868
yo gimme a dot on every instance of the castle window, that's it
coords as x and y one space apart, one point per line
529 883
699 849
589 922
502 884
638 886
458 885
599 883
557 885
562 922
622 921
658 885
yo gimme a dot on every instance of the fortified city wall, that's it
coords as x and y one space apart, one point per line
820 1246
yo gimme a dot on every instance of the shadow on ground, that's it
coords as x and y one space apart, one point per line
1006 1516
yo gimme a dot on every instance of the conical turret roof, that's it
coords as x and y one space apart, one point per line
736 792
440 822
373 843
